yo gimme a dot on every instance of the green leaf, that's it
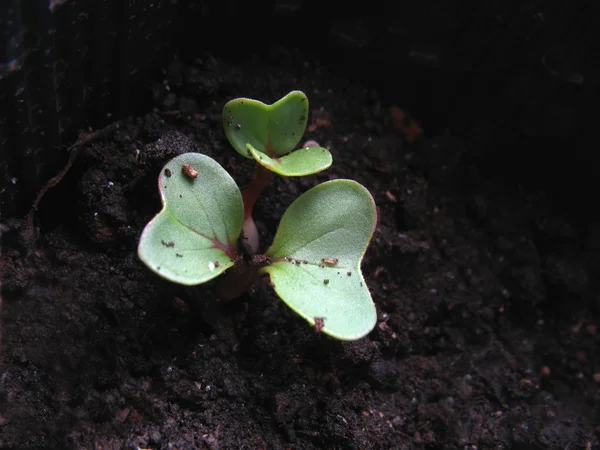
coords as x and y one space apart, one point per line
271 129
316 257
304 161
194 237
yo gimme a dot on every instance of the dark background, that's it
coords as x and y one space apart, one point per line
516 80
484 267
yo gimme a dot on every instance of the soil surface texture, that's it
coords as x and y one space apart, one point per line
487 299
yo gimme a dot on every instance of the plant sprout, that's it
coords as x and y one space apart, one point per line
313 262
268 134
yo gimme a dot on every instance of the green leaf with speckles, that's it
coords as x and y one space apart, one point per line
269 134
316 257
304 161
194 237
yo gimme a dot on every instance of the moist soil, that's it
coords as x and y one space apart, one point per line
487 299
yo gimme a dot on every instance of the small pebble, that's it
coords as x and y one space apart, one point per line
311 143
189 171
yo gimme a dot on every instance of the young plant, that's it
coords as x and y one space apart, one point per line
268 134
313 262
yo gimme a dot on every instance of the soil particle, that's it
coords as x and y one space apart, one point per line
384 374
189 171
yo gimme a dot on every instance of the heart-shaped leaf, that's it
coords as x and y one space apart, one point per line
272 129
194 237
268 133
316 257
304 161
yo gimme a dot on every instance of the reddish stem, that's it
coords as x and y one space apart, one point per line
260 179
229 249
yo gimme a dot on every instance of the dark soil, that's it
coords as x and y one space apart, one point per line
488 301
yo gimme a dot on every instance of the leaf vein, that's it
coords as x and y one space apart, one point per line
291 253
190 228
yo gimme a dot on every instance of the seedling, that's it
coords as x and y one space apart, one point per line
313 262
269 134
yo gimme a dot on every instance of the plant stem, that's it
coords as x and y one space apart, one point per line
237 280
260 179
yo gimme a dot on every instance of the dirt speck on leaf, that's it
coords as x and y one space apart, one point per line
319 324
189 171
